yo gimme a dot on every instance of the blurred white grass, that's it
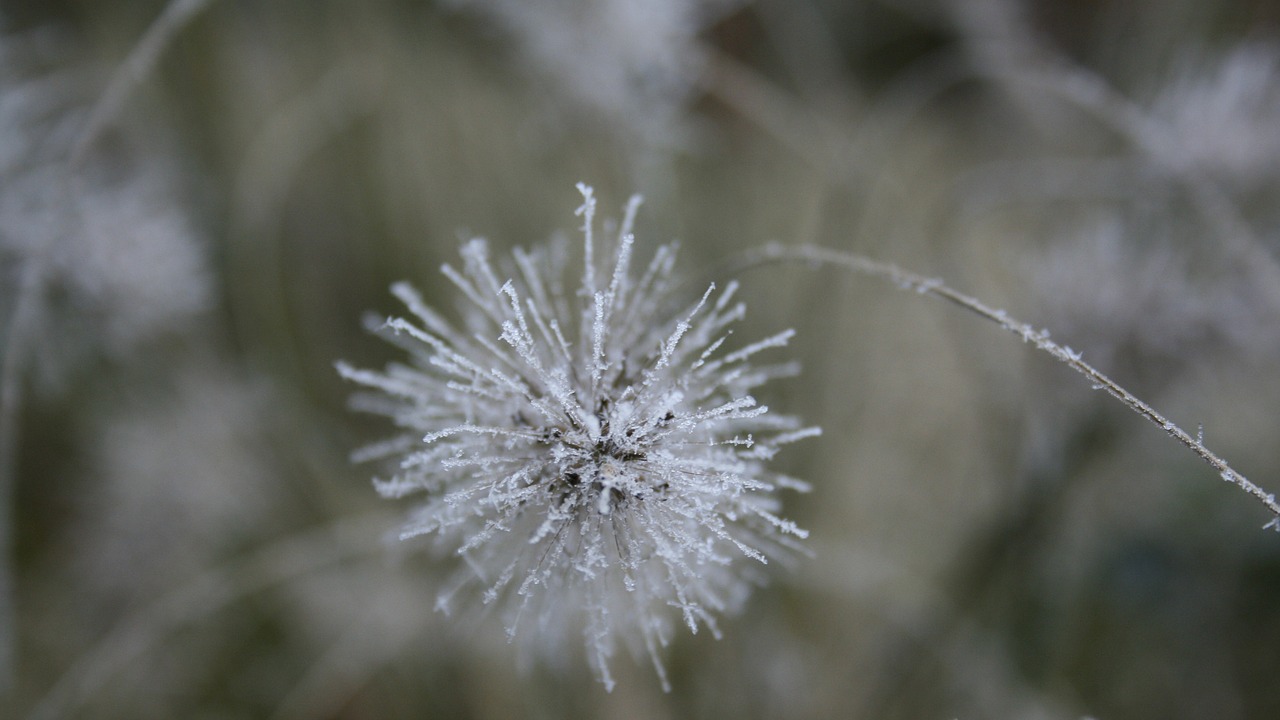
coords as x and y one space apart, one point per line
1224 110
150 514
1142 308
631 65
116 259
98 252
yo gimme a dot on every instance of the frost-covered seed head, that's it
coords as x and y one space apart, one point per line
597 461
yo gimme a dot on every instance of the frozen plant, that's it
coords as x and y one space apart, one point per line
596 462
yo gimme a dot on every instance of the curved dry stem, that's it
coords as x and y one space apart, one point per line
814 255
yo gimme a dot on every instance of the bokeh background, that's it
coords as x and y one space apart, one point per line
200 200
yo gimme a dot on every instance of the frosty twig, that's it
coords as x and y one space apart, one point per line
777 252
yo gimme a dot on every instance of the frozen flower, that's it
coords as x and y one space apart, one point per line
597 462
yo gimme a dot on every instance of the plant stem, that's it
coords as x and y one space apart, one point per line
815 255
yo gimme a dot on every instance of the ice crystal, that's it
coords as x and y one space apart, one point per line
596 460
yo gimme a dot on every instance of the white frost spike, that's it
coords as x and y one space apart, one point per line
607 488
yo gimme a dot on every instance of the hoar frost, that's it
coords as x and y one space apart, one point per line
596 460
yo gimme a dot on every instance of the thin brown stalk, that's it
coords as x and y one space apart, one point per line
815 255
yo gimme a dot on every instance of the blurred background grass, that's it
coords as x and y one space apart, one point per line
992 539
